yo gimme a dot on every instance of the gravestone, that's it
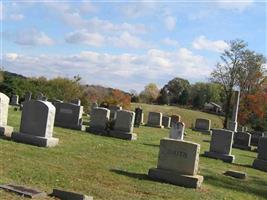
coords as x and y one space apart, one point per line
232 125
28 96
99 119
142 119
166 122
242 140
55 101
5 130
177 131
155 119
69 115
221 145
242 129
261 161
94 105
76 101
124 124
39 96
66 195
175 119
113 111
178 163
138 117
37 123
203 125
255 137
14 100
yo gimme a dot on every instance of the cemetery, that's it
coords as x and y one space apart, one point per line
133 100
164 159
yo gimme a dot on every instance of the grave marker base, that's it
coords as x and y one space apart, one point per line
6 131
223 157
66 195
260 164
155 126
249 148
80 128
175 178
97 131
208 132
123 135
34 140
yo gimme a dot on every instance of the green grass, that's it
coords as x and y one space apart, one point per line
109 168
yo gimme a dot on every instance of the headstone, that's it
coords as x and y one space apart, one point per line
123 127
39 96
94 105
14 100
76 101
166 122
24 191
261 161
221 145
66 195
255 137
242 140
236 174
99 119
177 131
113 111
232 125
155 119
69 115
5 130
203 125
28 96
142 119
178 163
55 101
242 129
37 123
175 119
138 117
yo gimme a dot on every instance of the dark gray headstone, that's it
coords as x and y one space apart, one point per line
138 117
66 195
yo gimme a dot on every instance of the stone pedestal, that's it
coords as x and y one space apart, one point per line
178 163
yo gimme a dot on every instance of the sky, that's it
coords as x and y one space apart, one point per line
126 45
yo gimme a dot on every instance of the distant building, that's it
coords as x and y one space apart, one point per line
212 107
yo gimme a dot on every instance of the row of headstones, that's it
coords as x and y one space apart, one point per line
178 160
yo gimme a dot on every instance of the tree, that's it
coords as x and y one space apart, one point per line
232 72
150 93
118 98
176 91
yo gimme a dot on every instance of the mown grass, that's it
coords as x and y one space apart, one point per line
109 168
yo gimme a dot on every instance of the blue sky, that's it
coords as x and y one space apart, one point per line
126 45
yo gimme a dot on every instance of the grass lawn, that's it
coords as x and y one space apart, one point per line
109 168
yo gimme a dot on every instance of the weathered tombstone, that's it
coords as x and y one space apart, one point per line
175 119
28 96
76 101
39 96
37 123
255 137
142 119
66 195
203 125
138 117
5 130
232 125
221 145
166 122
24 191
113 111
177 131
14 100
155 119
99 119
69 115
123 127
261 161
242 140
178 163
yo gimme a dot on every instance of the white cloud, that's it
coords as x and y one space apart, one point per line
170 42
33 37
87 7
239 5
126 40
84 37
202 43
16 17
170 22
122 71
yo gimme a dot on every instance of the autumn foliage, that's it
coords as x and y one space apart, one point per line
118 98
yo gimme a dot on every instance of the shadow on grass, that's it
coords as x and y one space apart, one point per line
206 141
151 145
252 186
242 165
247 156
131 174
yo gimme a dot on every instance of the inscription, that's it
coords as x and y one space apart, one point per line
66 111
180 154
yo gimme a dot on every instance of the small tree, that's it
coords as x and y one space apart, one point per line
150 93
